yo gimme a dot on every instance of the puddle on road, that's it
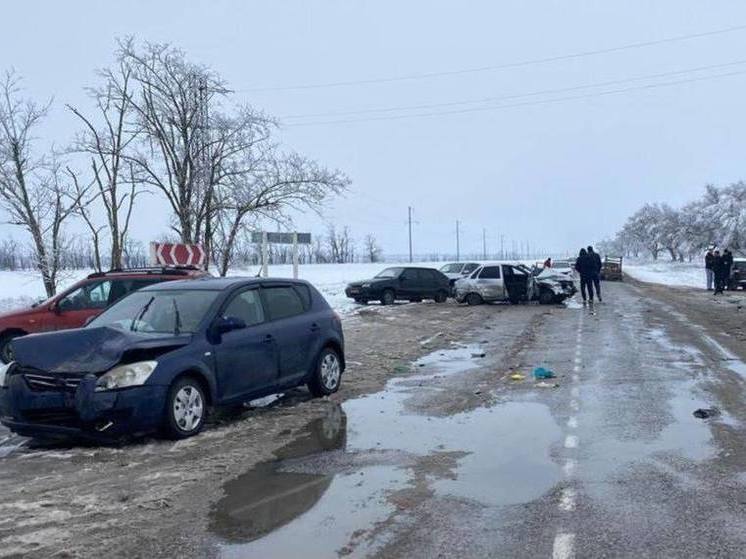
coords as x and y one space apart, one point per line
328 502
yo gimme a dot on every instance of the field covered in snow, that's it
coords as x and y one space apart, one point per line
683 274
22 288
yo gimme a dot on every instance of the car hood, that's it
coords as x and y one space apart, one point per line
90 350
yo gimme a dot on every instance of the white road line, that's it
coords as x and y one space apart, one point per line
564 546
574 405
572 423
569 468
575 378
578 361
576 368
571 441
567 499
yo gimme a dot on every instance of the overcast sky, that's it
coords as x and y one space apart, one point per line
556 174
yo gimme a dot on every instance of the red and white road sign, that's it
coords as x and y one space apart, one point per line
173 254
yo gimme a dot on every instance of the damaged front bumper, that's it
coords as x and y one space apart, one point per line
82 412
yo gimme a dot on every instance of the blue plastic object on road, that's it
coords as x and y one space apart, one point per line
541 373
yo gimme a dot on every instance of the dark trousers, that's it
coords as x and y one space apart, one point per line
597 285
586 285
719 282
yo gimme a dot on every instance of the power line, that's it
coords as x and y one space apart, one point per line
518 95
523 104
518 64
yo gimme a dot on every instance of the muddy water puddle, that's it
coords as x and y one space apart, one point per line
332 489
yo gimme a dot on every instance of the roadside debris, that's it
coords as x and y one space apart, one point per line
705 413
543 384
478 355
542 373
517 376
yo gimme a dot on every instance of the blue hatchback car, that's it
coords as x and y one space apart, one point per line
158 359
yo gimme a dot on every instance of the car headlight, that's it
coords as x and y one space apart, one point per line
365 286
131 374
4 368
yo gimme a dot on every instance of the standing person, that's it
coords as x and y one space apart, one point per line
585 266
727 267
548 262
718 270
710 268
596 258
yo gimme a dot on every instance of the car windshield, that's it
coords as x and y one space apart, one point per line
451 269
160 311
390 273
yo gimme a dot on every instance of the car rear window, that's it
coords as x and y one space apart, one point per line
282 302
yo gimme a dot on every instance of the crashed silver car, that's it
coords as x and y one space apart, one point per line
514 282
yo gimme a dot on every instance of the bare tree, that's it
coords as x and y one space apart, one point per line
106 139
340 245
269 186
372 249
31 190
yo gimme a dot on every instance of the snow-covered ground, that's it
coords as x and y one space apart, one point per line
21 288
684 274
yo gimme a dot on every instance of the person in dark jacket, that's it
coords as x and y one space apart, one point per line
719 270
548 262
596 258
585 266
710 269
727 267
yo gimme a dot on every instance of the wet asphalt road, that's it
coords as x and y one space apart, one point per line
458 459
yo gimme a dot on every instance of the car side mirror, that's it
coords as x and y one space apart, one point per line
227 324
88 320
55 307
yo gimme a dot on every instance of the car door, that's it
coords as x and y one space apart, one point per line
246 359
409 284
428 282
489 283
293 327
73 309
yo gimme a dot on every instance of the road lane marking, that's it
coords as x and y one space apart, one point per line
574 405
576 368
575 392
567 499
572 423
569 467
571 441
575 378
564 546
578 361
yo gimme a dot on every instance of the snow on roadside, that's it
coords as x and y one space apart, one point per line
682 274
19 289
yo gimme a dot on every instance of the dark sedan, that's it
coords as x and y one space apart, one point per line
161 357
401 283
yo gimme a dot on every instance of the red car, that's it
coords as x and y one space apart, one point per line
73 307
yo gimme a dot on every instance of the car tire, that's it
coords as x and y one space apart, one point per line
441 297
327 374
473 299
388 297
186 408
361 301
6 356
546 297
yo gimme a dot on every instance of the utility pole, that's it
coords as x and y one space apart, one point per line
458 242
484 244
410 234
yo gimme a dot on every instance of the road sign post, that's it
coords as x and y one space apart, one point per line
266 238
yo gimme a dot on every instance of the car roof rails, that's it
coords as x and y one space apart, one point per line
160 270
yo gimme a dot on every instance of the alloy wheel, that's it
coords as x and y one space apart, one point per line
189 408
330 371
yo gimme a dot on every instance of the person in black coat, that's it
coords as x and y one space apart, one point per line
710 269
719 269
586 268
727 266
596 258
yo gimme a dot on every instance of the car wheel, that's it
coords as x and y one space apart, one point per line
416 300
473 299
6 352
388 297
327 375
361 301
186 408
441 297
546 297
